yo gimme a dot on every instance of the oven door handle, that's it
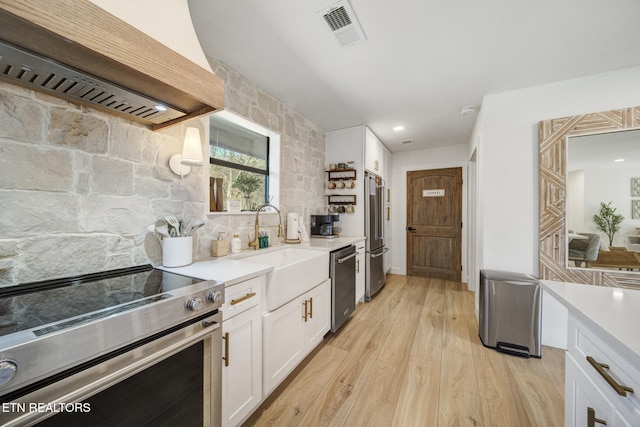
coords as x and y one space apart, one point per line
121 368
341 260
208 324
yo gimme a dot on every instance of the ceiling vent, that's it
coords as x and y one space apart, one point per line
341 23
407 142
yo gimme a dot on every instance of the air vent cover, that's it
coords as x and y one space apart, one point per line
45 75
407 142
341 23
337 18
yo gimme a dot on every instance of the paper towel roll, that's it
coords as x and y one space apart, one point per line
292 226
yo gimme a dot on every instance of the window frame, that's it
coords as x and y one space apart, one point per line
272 177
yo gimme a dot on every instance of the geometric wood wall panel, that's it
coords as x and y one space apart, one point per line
635 187
552 166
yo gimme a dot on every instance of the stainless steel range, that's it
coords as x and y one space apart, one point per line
136 346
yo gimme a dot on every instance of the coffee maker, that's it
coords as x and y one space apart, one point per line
322 225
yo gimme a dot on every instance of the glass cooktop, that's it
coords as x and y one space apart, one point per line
34 304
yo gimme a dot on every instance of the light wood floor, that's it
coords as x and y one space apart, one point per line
412 357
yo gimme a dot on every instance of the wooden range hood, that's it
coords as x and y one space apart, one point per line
78 51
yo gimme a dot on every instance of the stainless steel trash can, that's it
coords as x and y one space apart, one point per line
509 319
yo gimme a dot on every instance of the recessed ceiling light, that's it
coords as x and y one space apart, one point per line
619 160
161 108
398 128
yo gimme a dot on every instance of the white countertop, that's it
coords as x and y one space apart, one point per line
223 269
613 313
231 269
318 243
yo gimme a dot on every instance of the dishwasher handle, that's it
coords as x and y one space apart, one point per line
341 260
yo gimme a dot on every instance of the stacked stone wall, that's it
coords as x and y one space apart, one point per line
78 187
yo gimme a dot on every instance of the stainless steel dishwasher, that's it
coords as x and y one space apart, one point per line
343 285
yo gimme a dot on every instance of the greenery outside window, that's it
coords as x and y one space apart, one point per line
240 163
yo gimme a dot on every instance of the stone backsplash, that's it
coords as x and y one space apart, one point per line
79 187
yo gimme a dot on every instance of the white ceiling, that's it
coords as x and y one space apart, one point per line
604 151
423 60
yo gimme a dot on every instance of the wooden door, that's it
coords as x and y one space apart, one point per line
434 223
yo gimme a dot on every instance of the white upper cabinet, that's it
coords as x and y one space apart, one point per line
374 154
363 151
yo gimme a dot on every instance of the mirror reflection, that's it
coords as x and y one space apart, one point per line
603 201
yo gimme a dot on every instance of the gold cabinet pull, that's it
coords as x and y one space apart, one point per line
246 297
357 266
388 213
226 348
311 308
592 420
600 367
388 195
305 310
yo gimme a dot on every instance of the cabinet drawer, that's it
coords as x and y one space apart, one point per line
592 354
582 396
242 296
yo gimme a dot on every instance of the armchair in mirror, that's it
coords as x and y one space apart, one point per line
580 168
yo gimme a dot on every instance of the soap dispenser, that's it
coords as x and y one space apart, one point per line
236 244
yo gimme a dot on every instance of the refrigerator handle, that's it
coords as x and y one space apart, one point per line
381 253
379 212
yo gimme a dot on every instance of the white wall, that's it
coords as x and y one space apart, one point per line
610 185
404 161
508 157
506 137
574 203
169 22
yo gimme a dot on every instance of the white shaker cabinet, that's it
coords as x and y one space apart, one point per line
361 147
318 315
292 331
586 404
242 351
374 154
596 379
602 362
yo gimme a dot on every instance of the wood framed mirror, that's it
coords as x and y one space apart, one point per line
553 136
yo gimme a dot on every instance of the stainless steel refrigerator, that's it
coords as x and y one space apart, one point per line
374 232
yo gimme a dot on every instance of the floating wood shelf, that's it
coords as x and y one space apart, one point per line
341 199
341 174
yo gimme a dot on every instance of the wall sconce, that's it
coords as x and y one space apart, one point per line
191 155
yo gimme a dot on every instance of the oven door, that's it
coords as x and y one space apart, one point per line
169 379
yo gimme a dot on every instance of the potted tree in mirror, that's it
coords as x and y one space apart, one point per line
608 221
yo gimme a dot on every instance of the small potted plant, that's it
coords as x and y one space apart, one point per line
608 221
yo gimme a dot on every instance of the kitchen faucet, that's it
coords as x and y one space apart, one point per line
254 244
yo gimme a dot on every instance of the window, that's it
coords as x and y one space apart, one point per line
240 157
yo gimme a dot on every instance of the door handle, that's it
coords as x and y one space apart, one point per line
380 254
226 348
591 418
341 260
246 297
411 229
622 390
